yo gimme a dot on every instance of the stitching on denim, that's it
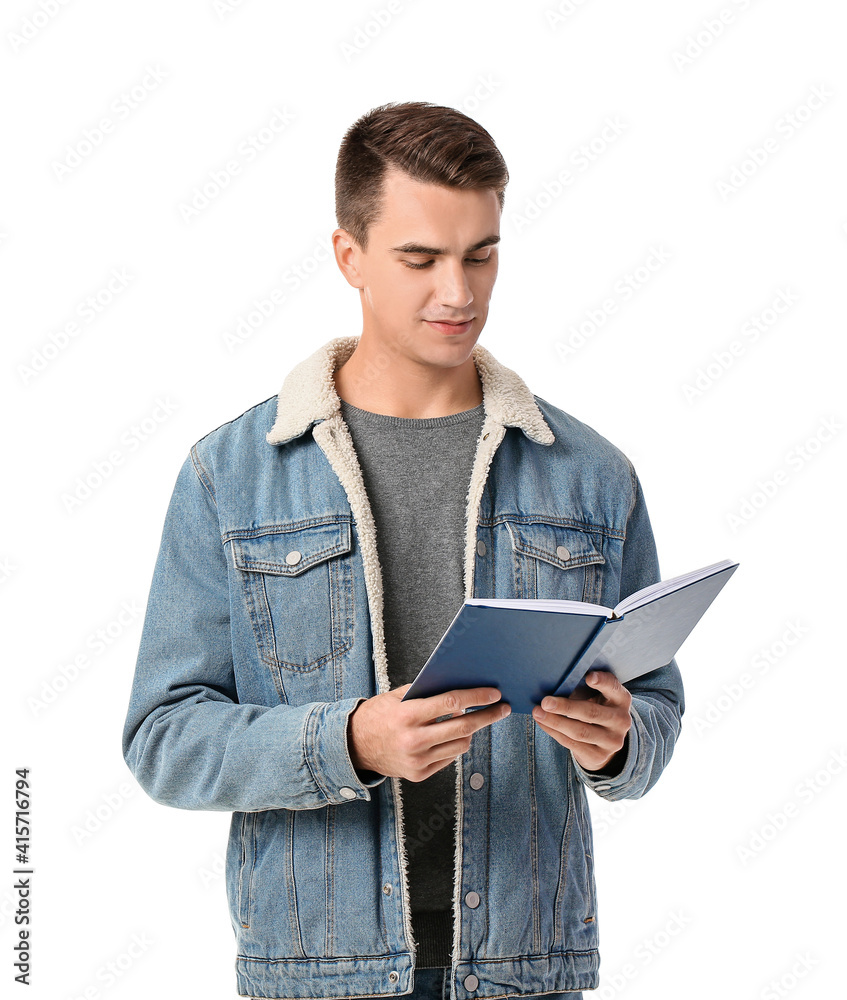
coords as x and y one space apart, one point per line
561 522
576 563
313 665
202 474
589 882
254 851
266 565
247 865
261 619
563 866
536 888
268 620
291 886
334 601
258 612
634 483
329 842
584 817
530 956
288 527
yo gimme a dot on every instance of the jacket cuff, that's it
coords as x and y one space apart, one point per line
611 787
334 774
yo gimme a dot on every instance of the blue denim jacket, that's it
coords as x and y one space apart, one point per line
264 630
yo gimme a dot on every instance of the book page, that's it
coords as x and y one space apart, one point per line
541 604
656 590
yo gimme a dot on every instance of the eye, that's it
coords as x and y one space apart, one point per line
476 261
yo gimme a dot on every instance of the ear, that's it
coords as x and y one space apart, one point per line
348 255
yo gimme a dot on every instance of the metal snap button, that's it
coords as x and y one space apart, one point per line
562 552
387 889
477 780
472 899
480 547
470 982
348 793
393 976
293 557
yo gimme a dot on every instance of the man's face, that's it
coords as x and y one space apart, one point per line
429 269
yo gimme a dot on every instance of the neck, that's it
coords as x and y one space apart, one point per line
406 388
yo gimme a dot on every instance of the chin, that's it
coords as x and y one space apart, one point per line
451 354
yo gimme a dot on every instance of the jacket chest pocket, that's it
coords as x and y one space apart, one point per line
297 582
555 562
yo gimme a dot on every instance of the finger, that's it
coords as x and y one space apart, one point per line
460 727
570 743
558 735
446 752
583 709
455 702
608 685
577 735
582 692
437 766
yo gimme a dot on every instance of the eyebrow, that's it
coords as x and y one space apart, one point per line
435 251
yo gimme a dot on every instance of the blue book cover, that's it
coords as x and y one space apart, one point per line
530 648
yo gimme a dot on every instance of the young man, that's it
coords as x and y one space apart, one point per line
315 550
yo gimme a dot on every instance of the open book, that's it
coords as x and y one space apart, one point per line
532 648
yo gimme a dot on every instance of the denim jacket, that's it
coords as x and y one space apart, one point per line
264 630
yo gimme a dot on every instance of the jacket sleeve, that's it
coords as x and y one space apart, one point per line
657 697
187 738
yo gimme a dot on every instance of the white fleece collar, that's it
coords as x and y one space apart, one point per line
308 394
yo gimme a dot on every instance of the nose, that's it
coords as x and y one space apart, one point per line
453 288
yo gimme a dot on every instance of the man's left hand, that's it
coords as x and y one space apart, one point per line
592 725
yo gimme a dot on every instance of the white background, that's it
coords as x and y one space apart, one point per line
729 875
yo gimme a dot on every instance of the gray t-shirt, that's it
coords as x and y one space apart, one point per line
416 473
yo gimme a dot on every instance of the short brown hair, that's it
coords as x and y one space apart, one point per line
431 143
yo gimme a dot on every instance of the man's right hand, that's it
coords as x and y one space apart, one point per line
402 739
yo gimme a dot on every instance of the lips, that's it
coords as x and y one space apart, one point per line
450 327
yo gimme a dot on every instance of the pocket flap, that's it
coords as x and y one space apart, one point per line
564 547
287 551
